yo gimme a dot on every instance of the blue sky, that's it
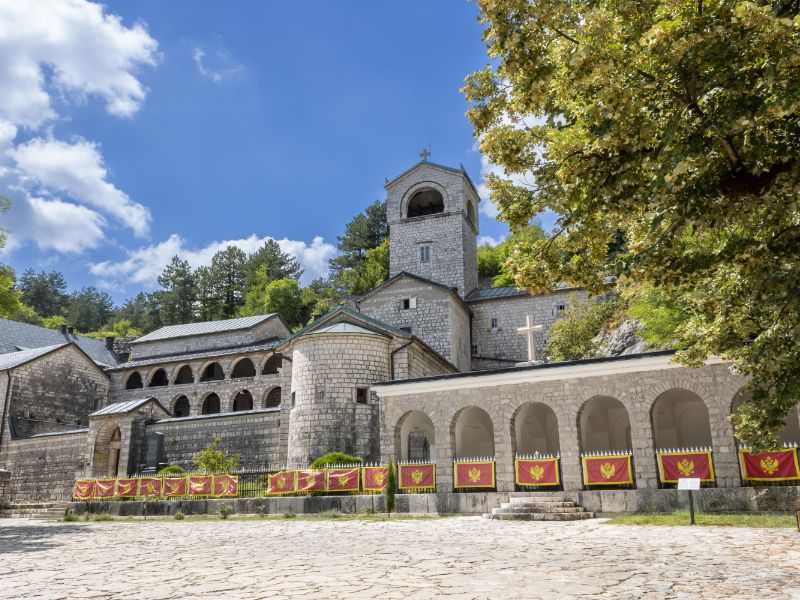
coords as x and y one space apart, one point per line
149 128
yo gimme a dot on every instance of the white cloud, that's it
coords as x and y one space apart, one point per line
144 264
491 241
220 67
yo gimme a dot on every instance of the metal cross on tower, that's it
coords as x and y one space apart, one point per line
530 330
425 154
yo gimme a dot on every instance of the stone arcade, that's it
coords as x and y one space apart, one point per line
427 366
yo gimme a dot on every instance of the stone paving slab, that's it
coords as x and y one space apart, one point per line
454 558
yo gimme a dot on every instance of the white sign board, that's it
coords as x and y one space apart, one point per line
689 483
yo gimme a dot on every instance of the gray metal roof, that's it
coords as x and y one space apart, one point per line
344 327
15 336
15 359
117 408
184 356
174 331
497 292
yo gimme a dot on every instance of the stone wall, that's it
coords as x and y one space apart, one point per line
502 346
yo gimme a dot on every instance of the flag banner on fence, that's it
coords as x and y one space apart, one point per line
83 490
614 469
342 480
201 485
416 476
226 485
104 488
474 474
149 486
540 471
374 478
126 488
311 480
175 486
777 465
282 482
680 465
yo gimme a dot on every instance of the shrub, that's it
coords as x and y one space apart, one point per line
171 470
391 487
69 516
179 516
335 458
212 460
289 515
330 514
369 511
103 517
224 511
261 509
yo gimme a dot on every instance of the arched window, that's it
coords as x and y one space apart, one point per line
272 365
213 372
211 404
159 379
425 202
680 419
472 433
415 437
535 429
603 425
243 401
181 407
184 375
243 368
134 381
273 398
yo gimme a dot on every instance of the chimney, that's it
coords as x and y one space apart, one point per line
70 329
63 330
110 342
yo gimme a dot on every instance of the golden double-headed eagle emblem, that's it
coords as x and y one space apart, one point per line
686 467
343 479
474 475
416 476
537 472
380 477
281 481
607 470
769 465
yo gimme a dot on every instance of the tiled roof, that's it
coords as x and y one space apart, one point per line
174 331
117 408
173 358
15 336
15 359
461 171
319 323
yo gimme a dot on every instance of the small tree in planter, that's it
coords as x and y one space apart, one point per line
212 460
391 487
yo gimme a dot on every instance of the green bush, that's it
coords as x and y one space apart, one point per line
179 516
369 511
211 460
289 515
330 514
69 516
391 487
335 458
224 511
261 509
171 470
103 517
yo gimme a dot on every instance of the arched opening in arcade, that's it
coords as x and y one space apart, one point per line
181 407
184 375
243 368
243 401
604 425
272 364
425 202
272 399
789 433
680 420
134 381
158 378
534 429
472 433
213 372
415 437
107 447
211 405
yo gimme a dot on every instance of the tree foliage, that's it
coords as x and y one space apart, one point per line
670 132
89 309
213 460
335 458
178 294
357 269
571 337
282 296
273 262
46 293
492 259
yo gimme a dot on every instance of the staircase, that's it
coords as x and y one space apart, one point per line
50 511
540 506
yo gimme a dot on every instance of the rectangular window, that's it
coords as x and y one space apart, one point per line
474 349
424 254
494 322
409 303
560 309
362 395
293 399
406 330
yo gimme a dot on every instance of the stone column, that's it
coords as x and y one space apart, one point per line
569 449
644 457
504 456
726 460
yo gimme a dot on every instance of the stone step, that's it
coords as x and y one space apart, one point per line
529 516
536 509
38 510
539 502
538 499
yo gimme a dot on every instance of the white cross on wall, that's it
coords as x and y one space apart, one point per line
530 330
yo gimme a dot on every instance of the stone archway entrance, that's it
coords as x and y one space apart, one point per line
107 448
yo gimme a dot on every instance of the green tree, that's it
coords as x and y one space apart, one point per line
54 322
142 313
370 273
46 293
493 260
209 306
365 232
89 309
276 263
9 297
570 337
177 299
673 127
213 460
282 296
228 280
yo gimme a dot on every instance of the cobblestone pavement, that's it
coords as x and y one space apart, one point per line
466 557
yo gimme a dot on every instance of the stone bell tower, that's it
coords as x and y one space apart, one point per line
433 225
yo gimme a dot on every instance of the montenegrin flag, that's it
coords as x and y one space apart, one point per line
149 486
474 474
614 469
226 485
416 476
777 465
539 471
374 478
681 465
343 480
126 488
311 480
175 486
282 482
104 488
83 490
201 485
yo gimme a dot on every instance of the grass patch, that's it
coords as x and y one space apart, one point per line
681 517
330 514
103 517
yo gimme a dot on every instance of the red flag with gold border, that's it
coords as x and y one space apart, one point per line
84 489
201 485
126 488
342 480
539 471
226 485
104 488
282 482
311 480
681 465
149 486
374 478
474 474
416 476
614 469
775 465
175 486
